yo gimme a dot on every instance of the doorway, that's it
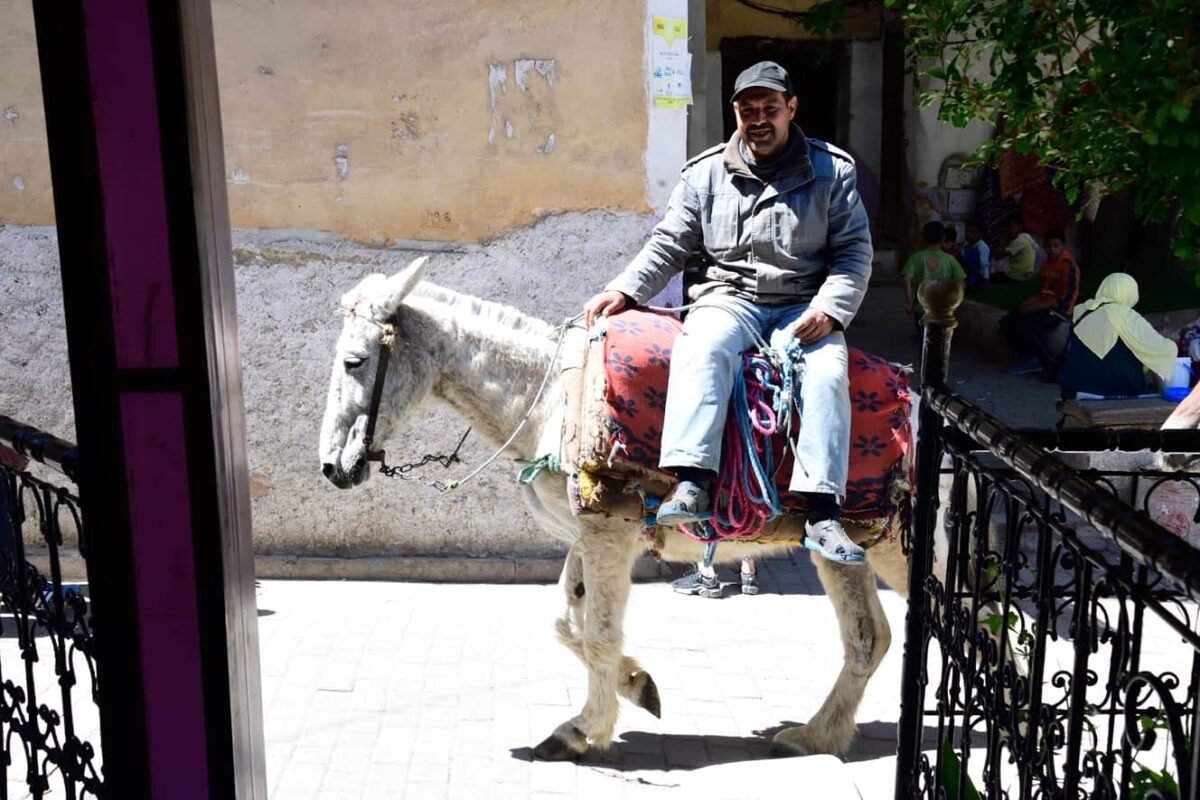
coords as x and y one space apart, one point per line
819 71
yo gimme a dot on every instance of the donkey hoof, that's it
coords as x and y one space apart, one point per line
781 750
648 698
564 744
791 742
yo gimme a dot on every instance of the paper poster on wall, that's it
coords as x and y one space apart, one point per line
670 63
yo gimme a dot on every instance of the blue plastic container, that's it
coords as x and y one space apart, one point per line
1175 393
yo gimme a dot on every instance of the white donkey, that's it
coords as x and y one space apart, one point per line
487 361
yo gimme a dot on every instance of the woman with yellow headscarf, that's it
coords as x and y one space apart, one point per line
1111 345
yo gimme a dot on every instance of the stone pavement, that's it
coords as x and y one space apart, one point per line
390 690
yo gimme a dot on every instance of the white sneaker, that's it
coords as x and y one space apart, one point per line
829 538
687 503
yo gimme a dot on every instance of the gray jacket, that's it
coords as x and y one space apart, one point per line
803 237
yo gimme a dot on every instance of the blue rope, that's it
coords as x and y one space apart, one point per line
775 371
756 470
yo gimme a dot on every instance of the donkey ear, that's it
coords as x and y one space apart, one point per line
402 283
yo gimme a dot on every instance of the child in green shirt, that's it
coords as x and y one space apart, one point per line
932 262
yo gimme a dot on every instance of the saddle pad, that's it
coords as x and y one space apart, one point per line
637 355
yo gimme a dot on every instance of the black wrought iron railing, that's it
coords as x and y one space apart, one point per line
49 718
1052 642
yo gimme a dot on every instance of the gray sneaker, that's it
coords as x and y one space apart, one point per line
749 583
695 583
829 538
688 502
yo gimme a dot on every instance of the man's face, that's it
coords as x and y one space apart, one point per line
763 117
948 245
972 234
1054 247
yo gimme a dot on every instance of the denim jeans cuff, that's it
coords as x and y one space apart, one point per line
828 487
669 461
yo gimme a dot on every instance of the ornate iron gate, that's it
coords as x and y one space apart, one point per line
48 696
1052 644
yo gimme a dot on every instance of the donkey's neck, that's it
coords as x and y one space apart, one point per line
491 361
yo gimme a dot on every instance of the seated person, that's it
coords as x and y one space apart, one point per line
1111 345
932 262
1028 329
976 257
1020 254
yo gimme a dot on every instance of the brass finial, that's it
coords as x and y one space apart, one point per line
940 297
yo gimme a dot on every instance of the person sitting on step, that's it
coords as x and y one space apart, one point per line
1111 346
1030 327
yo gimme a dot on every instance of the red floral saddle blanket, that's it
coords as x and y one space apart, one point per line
637 355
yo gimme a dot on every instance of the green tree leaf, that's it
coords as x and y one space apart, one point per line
1111 106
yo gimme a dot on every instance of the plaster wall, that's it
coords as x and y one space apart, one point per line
25 197
930 142
431 120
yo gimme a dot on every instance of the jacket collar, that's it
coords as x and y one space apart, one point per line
799 171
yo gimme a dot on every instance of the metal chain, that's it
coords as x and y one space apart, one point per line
400 470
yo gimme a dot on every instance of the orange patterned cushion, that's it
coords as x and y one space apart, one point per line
637 354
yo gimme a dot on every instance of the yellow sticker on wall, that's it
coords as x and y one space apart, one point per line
670 28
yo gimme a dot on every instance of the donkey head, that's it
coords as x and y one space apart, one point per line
374 314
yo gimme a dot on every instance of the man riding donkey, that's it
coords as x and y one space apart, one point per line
783 238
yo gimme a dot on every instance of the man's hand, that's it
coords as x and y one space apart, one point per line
908 308
604 304
813 326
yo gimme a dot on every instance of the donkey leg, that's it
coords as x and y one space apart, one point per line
890 563
634 683
865 640
607 553
569 626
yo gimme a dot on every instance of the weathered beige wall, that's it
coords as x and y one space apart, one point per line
25 197
372 119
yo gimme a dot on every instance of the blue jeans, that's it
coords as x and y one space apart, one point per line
706 358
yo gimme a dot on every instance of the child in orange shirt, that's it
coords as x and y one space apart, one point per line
1029 326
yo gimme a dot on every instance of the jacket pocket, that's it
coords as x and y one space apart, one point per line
722 225
800 227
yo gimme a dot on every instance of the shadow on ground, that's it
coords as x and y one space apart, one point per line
639 750
789 574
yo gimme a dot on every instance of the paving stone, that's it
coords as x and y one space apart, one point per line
450 703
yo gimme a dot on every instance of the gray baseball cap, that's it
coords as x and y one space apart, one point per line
766 74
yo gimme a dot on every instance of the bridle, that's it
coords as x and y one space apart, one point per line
387 341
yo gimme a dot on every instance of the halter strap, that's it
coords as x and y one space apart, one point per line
385 356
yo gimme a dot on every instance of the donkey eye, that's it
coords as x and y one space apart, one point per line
353 362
